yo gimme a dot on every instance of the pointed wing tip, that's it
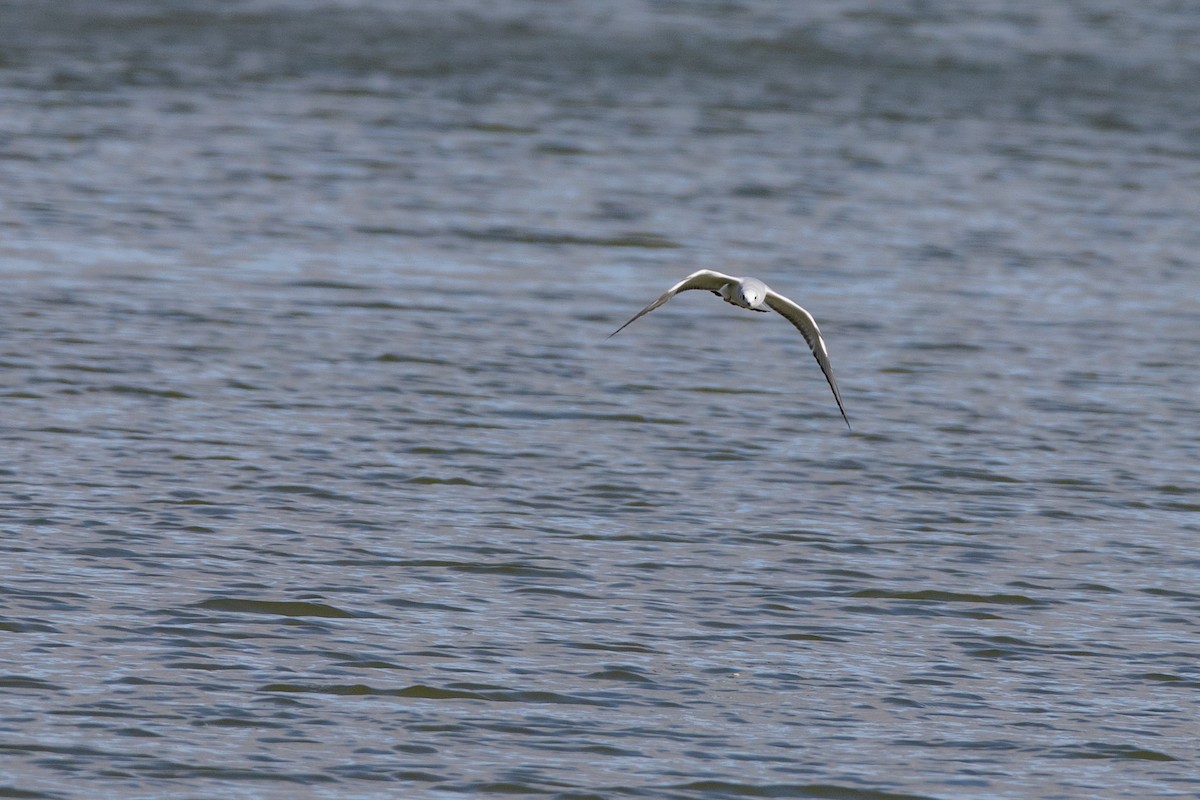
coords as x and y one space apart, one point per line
618 330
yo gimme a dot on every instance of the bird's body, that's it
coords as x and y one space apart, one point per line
752 294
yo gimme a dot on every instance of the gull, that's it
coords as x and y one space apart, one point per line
751 293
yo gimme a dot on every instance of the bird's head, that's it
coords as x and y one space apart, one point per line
752 295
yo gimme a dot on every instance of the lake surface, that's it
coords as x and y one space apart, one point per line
321 479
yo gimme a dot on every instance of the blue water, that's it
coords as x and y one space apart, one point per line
322 479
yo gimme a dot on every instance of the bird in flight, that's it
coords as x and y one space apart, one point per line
752 293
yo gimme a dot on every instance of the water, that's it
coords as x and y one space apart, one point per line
323 481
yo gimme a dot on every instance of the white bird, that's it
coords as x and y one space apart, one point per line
752 293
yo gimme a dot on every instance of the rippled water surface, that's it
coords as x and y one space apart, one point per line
322 480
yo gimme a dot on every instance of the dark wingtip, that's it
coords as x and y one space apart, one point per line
623 327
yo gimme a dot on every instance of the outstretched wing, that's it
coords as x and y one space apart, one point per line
812 334
704 279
